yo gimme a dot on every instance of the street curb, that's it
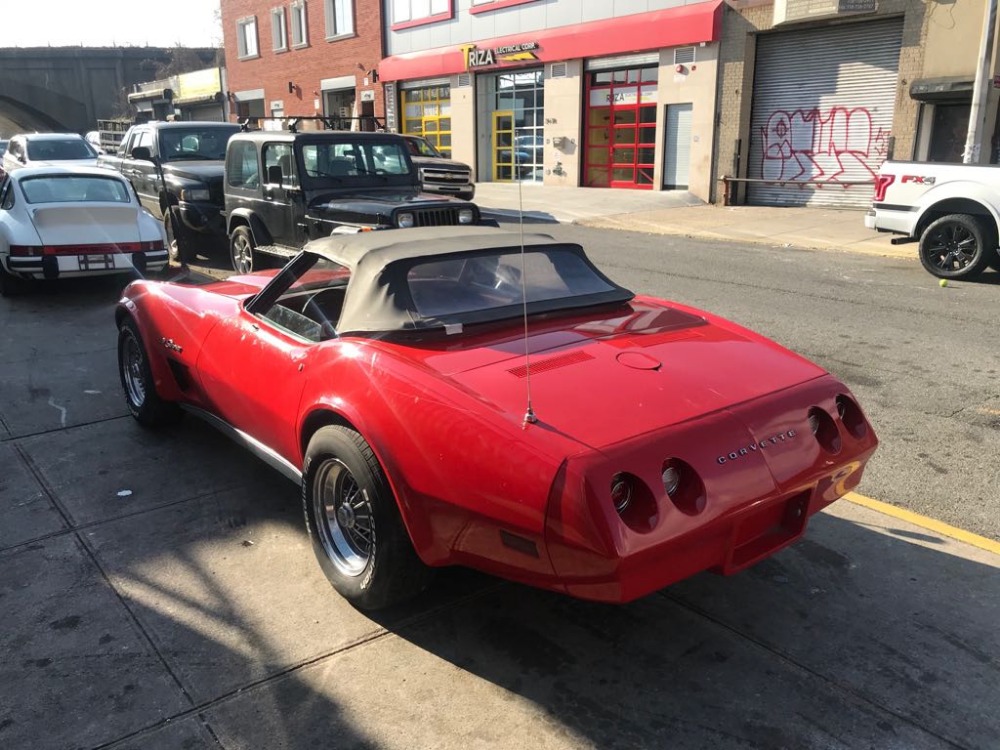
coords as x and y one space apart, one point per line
682 231
924 522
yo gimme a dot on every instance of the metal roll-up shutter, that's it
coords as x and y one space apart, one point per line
822 115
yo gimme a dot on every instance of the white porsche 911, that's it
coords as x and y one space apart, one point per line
58 222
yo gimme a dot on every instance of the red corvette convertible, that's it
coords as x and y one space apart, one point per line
453 396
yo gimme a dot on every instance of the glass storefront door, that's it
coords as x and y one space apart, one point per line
427 112
621 128
516 106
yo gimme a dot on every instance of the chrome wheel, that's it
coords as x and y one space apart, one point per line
242 250
133 366
344 518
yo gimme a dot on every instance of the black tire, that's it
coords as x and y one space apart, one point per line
354 523
141 398
180 247
243 251
957 246
11 285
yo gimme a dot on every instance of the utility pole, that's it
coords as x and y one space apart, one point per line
981 88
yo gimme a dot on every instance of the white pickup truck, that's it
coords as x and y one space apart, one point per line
953 210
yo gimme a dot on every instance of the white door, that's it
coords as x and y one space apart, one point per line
677 147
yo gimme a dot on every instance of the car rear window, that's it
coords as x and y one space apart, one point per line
486 282
59 150
75 189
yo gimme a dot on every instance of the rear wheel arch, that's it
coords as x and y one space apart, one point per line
258 231
327 417
950 206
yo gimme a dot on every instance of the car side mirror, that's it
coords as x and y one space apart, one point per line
274 174
142 153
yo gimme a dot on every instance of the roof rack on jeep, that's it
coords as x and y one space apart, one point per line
366 123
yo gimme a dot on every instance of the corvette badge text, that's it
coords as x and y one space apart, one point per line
781 437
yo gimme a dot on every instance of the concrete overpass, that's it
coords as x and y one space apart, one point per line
70 88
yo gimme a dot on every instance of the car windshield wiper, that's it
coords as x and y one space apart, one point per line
369 173
192 157
327 175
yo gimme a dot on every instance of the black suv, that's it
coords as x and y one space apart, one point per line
284 188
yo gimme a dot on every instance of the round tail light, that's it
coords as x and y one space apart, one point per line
684 487
824 429
851 417
671 479
621 492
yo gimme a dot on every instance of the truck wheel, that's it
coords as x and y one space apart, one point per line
243 250
179 245
354 523
957 246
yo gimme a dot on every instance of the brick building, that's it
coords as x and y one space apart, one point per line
815 94
303 57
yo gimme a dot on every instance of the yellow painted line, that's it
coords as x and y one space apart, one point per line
924 522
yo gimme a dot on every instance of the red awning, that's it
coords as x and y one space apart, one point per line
687 24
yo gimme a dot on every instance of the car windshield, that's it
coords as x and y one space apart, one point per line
52 149
420 147
75 189
329 164
491 281
195 144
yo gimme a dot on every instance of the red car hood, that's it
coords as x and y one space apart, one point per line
605 381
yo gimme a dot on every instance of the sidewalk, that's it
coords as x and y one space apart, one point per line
680 213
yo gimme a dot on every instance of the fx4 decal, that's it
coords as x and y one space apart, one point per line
918 179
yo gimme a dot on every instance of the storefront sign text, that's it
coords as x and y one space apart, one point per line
484 57
623 97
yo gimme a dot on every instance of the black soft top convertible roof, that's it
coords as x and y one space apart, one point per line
378 297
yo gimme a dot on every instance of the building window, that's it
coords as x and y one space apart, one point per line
339 18
279 36
427 112
484 6
300 30
246 37
414 12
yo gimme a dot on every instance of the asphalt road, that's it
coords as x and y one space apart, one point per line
159 591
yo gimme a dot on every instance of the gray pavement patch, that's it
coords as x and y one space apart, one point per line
26 512
868 602
222 612
74 670
86 467
520 668
51 391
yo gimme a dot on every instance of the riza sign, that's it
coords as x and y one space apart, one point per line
623 97
484 57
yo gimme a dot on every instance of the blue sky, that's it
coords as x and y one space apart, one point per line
136 23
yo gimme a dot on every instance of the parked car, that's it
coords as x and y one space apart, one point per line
176 168
3 146
950 209
94 139
57 222
439 174
41 149
284 188
388 373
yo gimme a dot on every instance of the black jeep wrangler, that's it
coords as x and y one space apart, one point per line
284 188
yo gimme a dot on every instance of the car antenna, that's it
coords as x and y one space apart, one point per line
529 414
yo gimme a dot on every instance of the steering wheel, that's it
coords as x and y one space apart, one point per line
314 311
